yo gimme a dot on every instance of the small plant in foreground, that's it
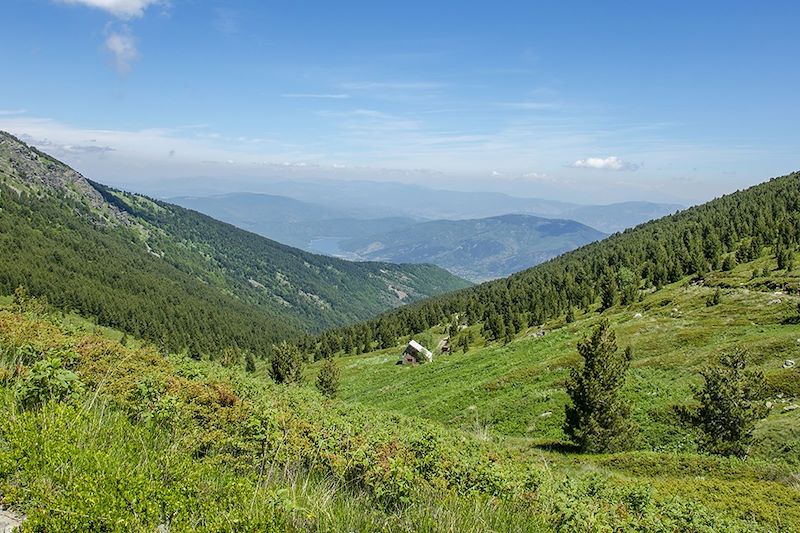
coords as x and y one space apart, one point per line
714 299
48 380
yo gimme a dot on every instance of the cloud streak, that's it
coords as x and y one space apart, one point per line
124 9
329 96
611 162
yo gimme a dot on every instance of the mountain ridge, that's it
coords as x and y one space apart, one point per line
174 275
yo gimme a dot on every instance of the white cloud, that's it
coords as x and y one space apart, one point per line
125 9
611 162
6 112
122 47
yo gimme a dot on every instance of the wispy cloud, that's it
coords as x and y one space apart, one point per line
392 85
330 96
529 106
7 112
124 9
605 163
121 45
58 148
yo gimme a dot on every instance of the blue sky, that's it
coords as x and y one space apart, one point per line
587 101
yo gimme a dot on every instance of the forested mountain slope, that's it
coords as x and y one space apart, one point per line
172 275
735 227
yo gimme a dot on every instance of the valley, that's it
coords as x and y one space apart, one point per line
399 267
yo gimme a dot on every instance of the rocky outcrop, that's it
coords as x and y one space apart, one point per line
39 171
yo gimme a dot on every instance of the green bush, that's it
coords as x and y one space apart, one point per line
47 381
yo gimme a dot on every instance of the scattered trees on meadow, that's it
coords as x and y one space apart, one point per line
597 417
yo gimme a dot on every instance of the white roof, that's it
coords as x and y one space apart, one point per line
421 349
417 346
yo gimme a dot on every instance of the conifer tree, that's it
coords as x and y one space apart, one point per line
608 290
328 378
730 406
250 362
729 263
597 417
286 365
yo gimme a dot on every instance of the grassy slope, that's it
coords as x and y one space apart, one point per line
157 440
514 394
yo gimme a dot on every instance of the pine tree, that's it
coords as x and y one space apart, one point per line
729 263
628 282
194 352
730 406
608 290
463 342
250 362
597 418
570 318
286 365
328 378
714 299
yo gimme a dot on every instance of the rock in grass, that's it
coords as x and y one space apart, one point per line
789 363
9 521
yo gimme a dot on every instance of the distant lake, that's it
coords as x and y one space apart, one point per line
330 246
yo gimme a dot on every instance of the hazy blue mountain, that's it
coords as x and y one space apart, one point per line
306 225
378 199
477 249
617 217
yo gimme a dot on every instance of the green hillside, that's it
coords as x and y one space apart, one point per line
102 437
478 249
174 276
516 389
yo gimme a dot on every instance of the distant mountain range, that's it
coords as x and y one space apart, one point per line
367 199
478 249
306 225
473 234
